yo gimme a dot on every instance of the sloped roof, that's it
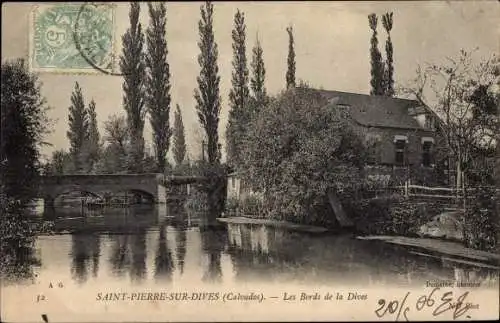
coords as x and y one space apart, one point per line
376 111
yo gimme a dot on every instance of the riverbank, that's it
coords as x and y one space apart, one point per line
278 224
441 248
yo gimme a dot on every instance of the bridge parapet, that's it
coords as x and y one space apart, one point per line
149 183
100 178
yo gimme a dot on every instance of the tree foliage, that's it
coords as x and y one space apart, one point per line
377 64
133 68
60 163
208 101
290 72
460 93
298 149
114 155
158 82
24 123
387 22
93 141
239 93
179 138
78 129
257 82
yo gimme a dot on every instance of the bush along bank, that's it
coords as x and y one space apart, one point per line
390 215
482 220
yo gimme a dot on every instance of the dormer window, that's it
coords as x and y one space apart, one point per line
429 122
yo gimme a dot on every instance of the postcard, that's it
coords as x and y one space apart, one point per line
250 161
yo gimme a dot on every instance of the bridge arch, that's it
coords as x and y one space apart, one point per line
55 196
143 193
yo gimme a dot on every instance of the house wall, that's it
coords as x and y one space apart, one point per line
383 148
237 189
233 186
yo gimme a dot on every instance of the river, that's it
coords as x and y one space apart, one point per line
165 248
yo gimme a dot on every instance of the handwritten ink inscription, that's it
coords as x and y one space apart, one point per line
436 301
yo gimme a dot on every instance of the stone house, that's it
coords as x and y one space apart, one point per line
400 134
399 131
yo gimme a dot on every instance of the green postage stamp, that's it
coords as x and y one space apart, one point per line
72 37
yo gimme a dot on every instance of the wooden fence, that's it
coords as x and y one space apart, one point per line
438 192
410 191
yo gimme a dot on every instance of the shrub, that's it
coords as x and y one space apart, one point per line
249 206
391 215
211 194
17 238
481 223
197 200
232 205
370 216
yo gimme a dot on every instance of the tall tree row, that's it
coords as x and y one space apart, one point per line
179 138
290 72
133 68
158 82
208 101
389 65
78 129
239 93
377 65
382 73
93 146
257 81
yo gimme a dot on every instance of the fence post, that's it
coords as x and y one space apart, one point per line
406 189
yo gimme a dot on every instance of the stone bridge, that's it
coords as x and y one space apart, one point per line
151 185
154 186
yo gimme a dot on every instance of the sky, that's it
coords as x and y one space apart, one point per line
332 43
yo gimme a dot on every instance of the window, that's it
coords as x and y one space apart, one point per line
399 146
426 153
429 122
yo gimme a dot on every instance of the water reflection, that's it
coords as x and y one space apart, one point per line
120 254
85 254
213 242
264 253
164 264
180 225
137 245
138 251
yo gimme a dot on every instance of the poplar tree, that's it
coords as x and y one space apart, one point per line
78 128
133 68
377 65
239 93
93 138
208 101
257 82
387 22
179 137
158 82
290 73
